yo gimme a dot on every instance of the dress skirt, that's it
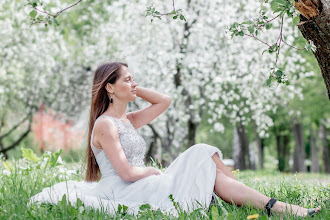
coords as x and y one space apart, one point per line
190 180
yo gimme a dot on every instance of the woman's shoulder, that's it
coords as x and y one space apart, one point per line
105 125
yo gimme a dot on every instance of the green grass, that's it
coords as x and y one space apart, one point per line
20 179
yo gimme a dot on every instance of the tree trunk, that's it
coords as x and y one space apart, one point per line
282 142
325 148
315 26
299 151
154 150
315 167
244 145
192 128
260 145
238 154
168 152
241 145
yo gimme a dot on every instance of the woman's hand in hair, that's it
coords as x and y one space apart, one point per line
159 103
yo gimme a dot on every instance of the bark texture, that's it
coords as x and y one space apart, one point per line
315 166
299 151
261 146
241 148
323 132
283 153
238 154
315 26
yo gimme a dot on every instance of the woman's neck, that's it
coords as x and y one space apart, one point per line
117 110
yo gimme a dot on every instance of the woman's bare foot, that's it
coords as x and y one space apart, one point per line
282 208
317 209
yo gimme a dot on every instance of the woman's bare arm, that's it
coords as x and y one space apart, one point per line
159 103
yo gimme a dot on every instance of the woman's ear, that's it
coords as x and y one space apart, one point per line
109 88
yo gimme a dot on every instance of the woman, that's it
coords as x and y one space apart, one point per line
115 154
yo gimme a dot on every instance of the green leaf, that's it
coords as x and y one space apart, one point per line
251 29
29 155
175 17
287 83
79 203
125 208
172 13
215 213
273 5
8 166
279 73
268 26
63 201
230 216
55 21
33 13
119 208
308 46
295 21
280 2
269 81
144 207
182 17
235 25
241 33
40 17
53 160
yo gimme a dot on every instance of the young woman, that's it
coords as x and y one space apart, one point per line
116 151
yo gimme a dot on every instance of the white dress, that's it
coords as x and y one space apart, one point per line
190 179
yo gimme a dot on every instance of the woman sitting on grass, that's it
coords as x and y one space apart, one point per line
116 152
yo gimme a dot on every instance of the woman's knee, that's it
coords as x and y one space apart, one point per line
219 173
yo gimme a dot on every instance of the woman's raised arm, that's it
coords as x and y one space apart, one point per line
159 103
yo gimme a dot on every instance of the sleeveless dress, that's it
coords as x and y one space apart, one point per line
190 179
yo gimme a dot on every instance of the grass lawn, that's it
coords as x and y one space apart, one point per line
25 177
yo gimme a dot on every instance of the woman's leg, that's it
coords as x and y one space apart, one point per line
221 166
232 191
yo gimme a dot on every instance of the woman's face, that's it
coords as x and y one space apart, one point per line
125 87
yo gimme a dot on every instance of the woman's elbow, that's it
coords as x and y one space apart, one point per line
126 177
168 100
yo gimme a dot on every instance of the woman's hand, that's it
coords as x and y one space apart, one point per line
153 171
159 103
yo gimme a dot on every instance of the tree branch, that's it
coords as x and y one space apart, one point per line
16 126
20 138
257 39
59 12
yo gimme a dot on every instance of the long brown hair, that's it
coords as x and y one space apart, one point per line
105 73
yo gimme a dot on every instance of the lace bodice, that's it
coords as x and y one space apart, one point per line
133 145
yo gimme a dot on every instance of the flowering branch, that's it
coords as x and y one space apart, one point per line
151 11
35 18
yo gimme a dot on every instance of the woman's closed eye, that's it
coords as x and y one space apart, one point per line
129 79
